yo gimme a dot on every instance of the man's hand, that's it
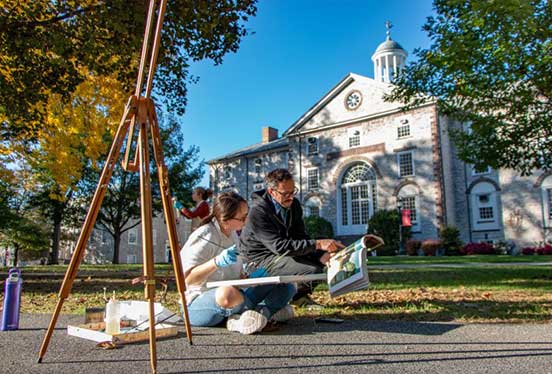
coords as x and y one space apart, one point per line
329 245
326 257
227 257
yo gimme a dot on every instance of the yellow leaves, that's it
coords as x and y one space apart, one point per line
75 129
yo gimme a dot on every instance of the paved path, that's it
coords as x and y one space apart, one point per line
301 346
457 265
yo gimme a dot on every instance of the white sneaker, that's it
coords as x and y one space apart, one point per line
249 322
284 314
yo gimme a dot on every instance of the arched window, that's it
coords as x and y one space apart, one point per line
483 202
410 200
357 199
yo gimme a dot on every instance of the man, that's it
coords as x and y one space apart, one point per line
274 240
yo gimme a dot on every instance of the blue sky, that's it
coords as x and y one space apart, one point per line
300 49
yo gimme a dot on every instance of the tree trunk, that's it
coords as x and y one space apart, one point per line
116 246
56 235
15 254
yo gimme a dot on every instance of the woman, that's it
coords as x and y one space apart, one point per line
210 254
201 209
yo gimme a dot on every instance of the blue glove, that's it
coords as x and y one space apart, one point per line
259 273
178 205
227 257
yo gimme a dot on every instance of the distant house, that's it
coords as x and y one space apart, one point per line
352 153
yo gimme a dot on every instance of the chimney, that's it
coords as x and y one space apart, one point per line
269 134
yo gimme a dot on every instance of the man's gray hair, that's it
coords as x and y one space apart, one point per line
276 176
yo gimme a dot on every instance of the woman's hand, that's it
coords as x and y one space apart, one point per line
227 257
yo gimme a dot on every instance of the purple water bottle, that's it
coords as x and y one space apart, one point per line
12 299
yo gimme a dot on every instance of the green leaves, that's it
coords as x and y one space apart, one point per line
489 65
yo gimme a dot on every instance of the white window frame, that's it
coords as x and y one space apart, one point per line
416 226
312 141
132 234
546 188
353 134
227 172
482 189
404 126
313 203
310 187
344 204
258 165
399 154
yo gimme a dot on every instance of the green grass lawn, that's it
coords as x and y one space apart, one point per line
478 293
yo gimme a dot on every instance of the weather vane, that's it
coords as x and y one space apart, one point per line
388 26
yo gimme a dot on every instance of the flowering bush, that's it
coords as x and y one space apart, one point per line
477 249
412 247
528 251
544 250
431 246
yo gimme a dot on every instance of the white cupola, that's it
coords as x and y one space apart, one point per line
389 58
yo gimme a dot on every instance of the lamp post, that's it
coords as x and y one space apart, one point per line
399 209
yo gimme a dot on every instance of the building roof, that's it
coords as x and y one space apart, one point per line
253 149
389 45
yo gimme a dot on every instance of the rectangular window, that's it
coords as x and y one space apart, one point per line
312 179
354 137
132 236
360 205
258 165
312 146
344 203
227 172
409 202
131 259
313 211
403 131
486 213
406 164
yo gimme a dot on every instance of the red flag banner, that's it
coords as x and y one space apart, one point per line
406 221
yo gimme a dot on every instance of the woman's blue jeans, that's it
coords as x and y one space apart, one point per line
204 310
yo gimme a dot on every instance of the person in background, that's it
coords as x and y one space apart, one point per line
201 209
274 240
210 254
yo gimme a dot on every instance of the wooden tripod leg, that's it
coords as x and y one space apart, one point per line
89 222
169 214
146 210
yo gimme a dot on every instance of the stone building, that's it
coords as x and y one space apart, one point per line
353 153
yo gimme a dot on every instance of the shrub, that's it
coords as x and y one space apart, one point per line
477 249
412 247
544 250
385 224
431 246
450 239
504 247
528 251
318 227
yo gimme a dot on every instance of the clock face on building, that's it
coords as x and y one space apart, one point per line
353 100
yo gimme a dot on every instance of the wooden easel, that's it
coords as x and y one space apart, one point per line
139 111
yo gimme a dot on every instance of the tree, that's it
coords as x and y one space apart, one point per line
386 225
120 210
490 66
46 47
74 137
20 229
